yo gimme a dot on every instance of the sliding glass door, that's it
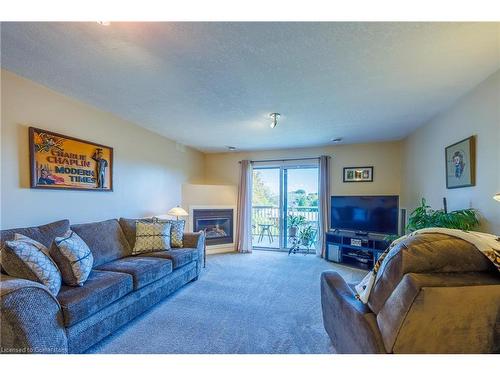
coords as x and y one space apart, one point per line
266 208
280 196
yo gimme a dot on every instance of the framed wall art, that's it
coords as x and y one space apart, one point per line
460 159
358 174
61 162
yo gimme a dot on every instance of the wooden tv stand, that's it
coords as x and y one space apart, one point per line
354 249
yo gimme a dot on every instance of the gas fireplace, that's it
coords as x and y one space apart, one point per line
216 223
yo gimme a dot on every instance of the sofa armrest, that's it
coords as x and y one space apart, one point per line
350 324
443 313
196 240
31 318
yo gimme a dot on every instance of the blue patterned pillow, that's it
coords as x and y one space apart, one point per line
34 258
74 258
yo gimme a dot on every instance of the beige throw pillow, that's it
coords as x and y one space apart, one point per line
151 236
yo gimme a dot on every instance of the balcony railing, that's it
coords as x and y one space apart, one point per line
271 214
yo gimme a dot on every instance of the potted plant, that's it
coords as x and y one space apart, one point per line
425 217
307 236
294 222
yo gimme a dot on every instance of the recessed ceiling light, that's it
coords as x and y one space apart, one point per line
104 23
275 116
231 148
336 140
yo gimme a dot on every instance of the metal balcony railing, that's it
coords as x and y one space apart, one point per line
271 214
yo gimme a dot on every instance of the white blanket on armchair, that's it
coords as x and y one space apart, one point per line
488 244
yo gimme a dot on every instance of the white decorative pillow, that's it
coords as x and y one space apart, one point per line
74 258
151 236
34 258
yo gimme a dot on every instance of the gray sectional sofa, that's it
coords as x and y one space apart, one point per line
119 288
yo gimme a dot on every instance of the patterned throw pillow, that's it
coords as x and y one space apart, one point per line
176 231
151 236
74 258
35 258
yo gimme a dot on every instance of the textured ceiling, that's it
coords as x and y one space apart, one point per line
209 85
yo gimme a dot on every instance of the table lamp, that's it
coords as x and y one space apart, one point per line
177 211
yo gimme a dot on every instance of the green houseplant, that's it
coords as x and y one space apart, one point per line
307 235
425 217
294 222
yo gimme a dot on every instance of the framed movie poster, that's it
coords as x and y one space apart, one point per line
461 163
61 162
358 174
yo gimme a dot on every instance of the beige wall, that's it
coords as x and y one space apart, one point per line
424 167
223 168
149 170
149 175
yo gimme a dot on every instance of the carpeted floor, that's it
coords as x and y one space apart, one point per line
264 302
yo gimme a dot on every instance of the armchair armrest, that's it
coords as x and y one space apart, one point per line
443 313
30 318
351 325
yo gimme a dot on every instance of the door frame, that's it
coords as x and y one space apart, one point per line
283 201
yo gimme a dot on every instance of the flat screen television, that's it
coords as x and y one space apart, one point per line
371 214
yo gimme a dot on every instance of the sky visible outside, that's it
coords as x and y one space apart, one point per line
303 178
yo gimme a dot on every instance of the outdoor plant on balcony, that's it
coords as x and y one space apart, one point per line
294 222
307 236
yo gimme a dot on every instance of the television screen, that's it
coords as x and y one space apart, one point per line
375 214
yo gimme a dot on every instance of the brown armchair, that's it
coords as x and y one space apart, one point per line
433 294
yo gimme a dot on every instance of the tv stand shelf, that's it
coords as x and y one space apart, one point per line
354 249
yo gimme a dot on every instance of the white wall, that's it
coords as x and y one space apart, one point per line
477 113
149 170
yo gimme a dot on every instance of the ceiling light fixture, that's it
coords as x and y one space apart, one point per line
497 197
275 116
104 23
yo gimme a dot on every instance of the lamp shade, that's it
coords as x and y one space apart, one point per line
177 211
497 197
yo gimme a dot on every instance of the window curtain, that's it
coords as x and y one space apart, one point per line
244 222
323 203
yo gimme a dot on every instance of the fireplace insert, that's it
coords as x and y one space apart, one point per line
216 223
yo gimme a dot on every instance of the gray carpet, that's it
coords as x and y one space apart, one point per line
264 302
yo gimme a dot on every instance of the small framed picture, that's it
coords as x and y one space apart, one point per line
461 163
358 174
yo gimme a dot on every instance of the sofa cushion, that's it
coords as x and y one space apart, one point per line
105 239
144 270
178 257
424 253
100 290
73 257
44 234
